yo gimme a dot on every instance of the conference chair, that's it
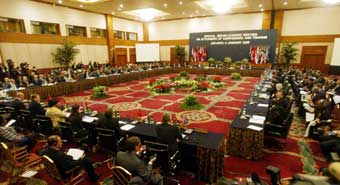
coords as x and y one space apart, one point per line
19 159
25 120
43 125
12 113
120 176
77 136
168 162
279 131
107 139
75 175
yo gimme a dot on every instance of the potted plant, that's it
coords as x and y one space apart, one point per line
99 92
180 54
289 52
235 76
65 55
211 61
227 61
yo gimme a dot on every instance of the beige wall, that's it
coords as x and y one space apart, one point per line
129 26
180 29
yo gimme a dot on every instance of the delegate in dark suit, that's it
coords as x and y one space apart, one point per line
168 134
108 122
36 109
17 103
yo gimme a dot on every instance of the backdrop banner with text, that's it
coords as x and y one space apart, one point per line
258 46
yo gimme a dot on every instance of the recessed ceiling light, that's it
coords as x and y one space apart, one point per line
331 1
197 11
183 13
262 9
60 1
146 14
113 13
180 3
165 5
260 5
119 9
81 6
285 3
190 15
121 6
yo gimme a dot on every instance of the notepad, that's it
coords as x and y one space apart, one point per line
303 92
336 99
67 114
262 105
10 123
310 116
257 119
89 119
253 127
75 153
262 95
122 122
127 127
28 173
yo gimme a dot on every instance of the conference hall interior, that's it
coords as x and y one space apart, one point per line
170 92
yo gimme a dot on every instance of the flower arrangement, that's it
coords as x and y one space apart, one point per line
235 76
191 103
151 82
183 74
162 88
217 79
203 86
201 78
99 92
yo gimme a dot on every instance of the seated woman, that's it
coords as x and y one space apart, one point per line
55 113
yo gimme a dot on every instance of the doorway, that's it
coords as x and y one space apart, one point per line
314 57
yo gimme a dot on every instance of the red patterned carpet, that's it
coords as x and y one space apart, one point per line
133 99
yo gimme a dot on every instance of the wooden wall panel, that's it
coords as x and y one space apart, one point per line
310 38
48 39
146 31
267 17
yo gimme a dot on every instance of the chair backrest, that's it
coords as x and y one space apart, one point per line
162 151
51 168
120 176
66 131
107 139
13 155
25 120
44 125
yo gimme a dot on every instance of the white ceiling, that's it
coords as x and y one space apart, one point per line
188 8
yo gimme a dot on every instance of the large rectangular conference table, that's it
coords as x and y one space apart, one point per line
201 153
65 88
243 141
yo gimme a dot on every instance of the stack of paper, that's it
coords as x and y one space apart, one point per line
262 105
75 153
310 117
122 122
127 127
257 119
253 127
10 123
262 95
336 99
89 119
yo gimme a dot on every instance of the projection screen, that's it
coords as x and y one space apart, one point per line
147 52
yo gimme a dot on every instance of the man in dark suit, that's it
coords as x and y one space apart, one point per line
279 109
65 162
18 103
35 107
168 134
130 161
107 121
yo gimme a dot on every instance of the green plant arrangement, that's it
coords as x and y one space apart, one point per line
180 54
235 76
99 92
201 78
66 54
191 103
289 52
183 74
245 62
211 61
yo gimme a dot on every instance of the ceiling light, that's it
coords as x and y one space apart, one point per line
60 1
180 3
81 6
88 1
119 9
331 1
190 15
260 5
197 11
165 5
121 6
262 9
285 3
113 13
146 14
183 13
221 6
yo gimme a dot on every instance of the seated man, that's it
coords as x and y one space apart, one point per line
18 103
35 106
55 113
130 161
65 162
279 109
107 121
168 134
10 134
